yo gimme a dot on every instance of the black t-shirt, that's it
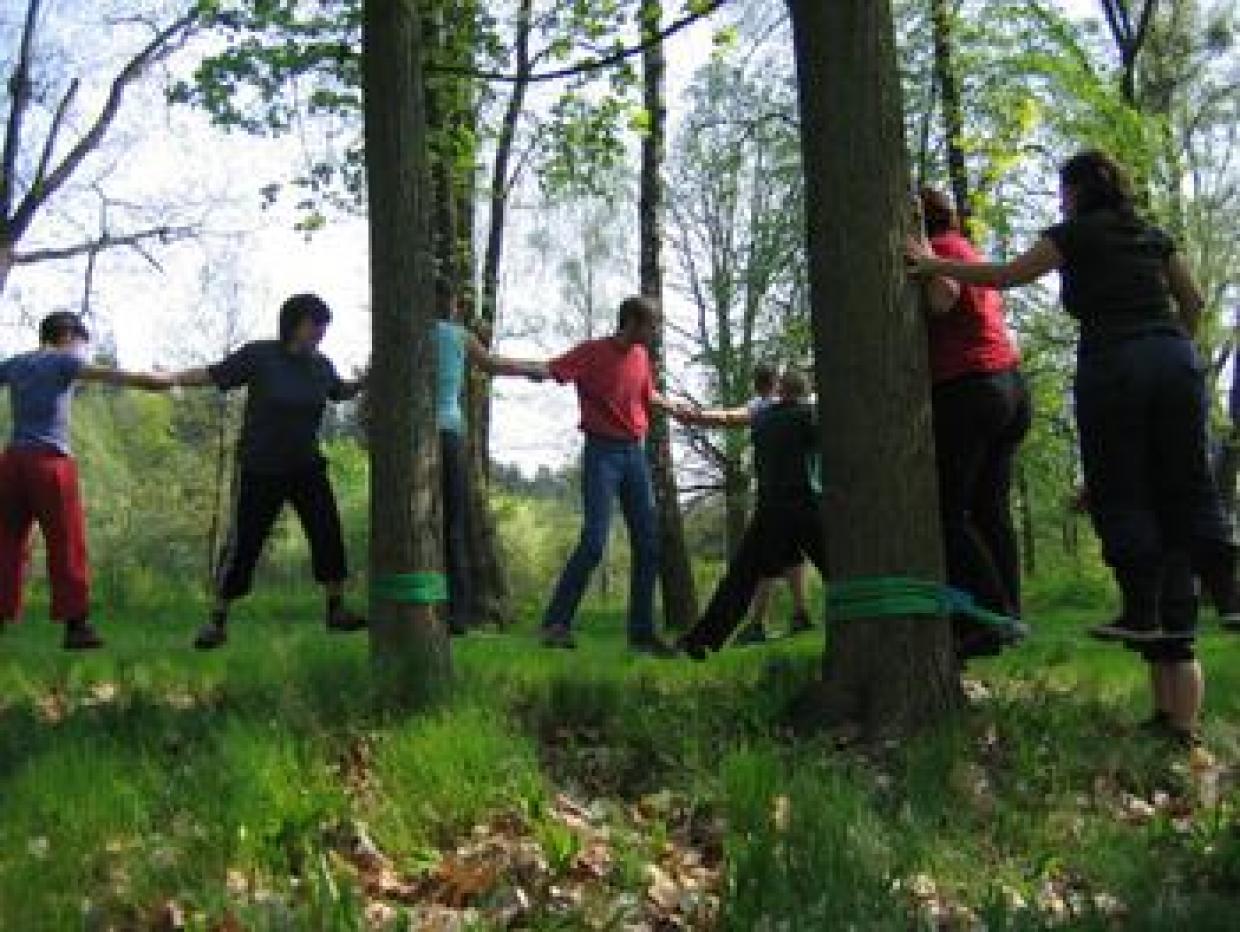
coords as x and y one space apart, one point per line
785 453
286 395
1114 276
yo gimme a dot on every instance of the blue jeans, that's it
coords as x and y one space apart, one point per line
612 468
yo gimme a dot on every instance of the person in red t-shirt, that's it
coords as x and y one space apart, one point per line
981 413
615 392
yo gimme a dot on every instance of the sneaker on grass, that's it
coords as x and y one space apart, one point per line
558 636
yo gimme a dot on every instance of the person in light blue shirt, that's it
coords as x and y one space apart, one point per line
456 346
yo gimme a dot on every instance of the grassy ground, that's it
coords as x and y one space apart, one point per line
147 786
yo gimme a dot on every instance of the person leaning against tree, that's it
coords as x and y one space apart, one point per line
39 476
615 387
288 383
1141 410
454 347
982 412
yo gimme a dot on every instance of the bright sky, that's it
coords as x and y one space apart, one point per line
253 259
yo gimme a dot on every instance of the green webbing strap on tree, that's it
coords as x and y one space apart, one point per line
898 596
411 588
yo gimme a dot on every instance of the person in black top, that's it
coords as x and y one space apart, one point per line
1141 410
786 525
288 383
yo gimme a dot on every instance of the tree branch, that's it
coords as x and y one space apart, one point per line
133 240
52 132
586 65
163 44
19 92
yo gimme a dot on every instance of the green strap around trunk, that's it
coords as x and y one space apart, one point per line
899 596
411 588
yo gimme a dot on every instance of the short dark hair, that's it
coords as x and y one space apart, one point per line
765 375
794 382
61 324
1098 182
637 308
937 211
302 307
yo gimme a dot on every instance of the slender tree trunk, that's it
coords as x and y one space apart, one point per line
409 643
492 592
675 570
953 114
1028 552
887 674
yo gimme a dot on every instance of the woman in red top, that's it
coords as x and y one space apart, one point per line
981 412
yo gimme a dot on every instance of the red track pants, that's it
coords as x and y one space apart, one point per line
42 485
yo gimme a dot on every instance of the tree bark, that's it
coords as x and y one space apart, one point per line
409 643
884 675
675 570
953 114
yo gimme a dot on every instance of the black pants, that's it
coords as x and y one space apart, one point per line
779 536
979 422
1141 408
454 490
257 503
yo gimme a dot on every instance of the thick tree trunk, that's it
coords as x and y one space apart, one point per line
953 114
675 570
409 643
884 674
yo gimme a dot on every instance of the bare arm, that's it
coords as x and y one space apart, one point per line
492 364
719 417
941 294
1029 266
1185 291
191 378
674 409
150 381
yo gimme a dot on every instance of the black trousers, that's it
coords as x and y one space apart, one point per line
1141 409
779 536
979 422
454 490
257 503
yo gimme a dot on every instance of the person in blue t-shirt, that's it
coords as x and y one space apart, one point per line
39 476
455 346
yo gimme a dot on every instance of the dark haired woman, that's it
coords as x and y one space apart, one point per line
981 414
288 383
1141 410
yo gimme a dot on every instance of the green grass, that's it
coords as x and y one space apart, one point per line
149 773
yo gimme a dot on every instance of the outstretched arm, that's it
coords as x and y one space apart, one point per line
493 364
190 378
1186 293
719 417
149 381
1041 258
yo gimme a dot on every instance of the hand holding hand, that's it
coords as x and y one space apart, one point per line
918 256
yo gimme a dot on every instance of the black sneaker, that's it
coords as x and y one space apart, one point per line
211 635
79 635
558 636
341 619
801 624
1230 621
750 635
692 649
651 646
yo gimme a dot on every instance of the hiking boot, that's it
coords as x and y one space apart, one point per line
801 624
1230 621
211 635
651 646
79 635
341 619
558 636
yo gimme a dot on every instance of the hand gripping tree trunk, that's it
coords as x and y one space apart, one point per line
887 675
675 571
409 643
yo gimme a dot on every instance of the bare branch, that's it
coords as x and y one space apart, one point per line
586 65
165 42
132 240
19 92
53 131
